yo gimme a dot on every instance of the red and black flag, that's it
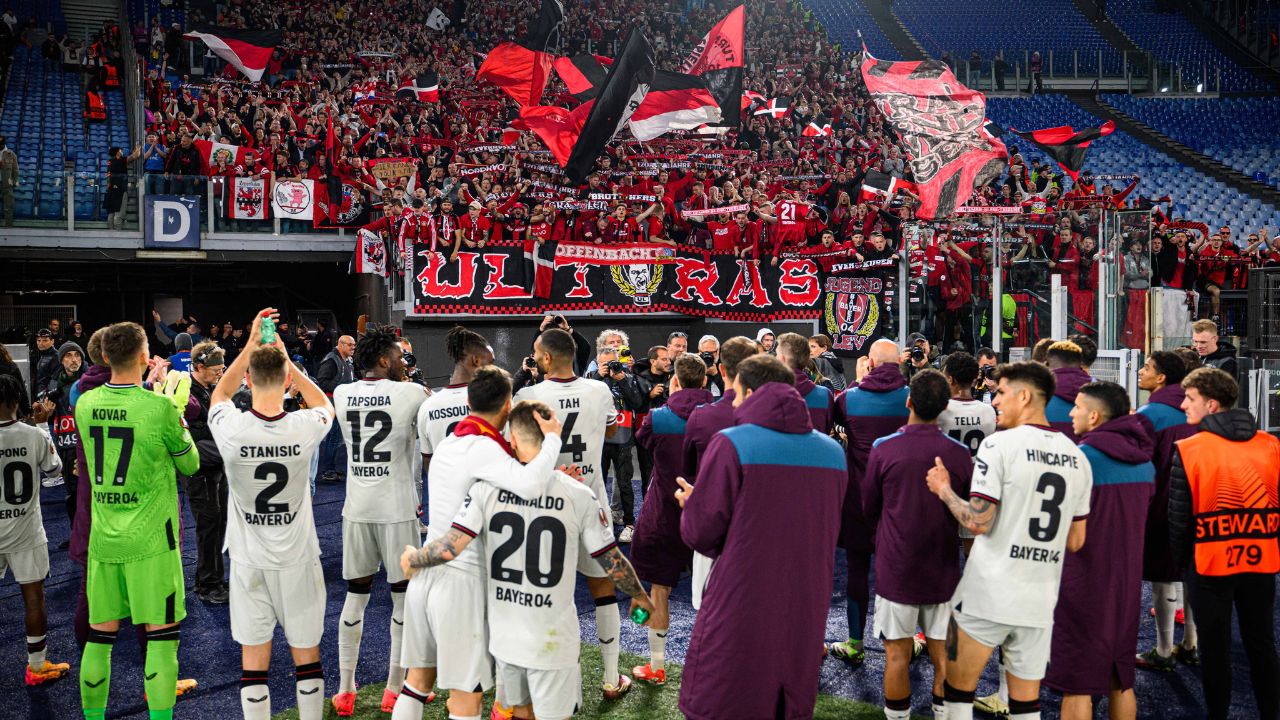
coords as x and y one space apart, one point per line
1065 144
521 69
675 102
719 60
878 187
942 124
621 95
246 50
557 127
752 100
583 74
775 108
424 88
818 127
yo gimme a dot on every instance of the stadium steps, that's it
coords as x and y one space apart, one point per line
903 41
1107 29
1230 47
1153 138
85 17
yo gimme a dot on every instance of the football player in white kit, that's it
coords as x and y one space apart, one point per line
967 421
586 411
25 453
1038 483
448 406
528 545
271 532
445 639
378 416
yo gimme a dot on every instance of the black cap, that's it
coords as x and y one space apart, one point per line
916 337
44 332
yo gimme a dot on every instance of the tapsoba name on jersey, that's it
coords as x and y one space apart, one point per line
368 401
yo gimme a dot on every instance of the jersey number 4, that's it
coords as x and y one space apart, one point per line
125 436
532 542
571 443
370 453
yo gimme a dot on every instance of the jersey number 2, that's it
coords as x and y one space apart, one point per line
532 549
371 453
1053 488
279 476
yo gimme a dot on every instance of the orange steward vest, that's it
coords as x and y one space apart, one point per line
1234 502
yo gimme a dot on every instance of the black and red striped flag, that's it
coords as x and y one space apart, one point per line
246 50
521 69
675 102
583 74
1065 144
719 61
424 88
818 127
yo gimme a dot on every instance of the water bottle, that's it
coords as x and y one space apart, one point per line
639 615
268 331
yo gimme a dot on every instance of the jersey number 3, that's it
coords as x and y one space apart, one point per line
1053 490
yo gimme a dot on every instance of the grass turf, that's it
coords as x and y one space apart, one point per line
644 701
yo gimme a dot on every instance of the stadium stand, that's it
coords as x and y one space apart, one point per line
1194 195
1173 39
1225 129
845 18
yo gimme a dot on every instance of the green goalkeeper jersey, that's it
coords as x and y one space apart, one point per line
133 440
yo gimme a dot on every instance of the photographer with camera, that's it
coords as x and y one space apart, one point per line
528 373
412 373
709 351
984 387
918 355
628 399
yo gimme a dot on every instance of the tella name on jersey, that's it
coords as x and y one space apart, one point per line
524 599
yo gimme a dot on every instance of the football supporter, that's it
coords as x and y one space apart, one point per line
657 551
876 407
271 532
793 351
1213 351
378 415
586 411
1095 624
134 570
1066 360
1038 483
916 540
1161 375
1222 527
753 654
446 640
26 452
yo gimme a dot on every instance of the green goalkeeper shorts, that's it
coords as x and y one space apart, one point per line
149 591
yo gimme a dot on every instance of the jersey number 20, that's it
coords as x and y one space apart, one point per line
532 541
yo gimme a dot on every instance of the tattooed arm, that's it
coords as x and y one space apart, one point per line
977 514
623 577
436 552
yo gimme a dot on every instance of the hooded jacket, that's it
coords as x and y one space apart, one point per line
656 545
1095 622
1067 384
704 422
1164 411
875 408
818 399
771 470
1224 358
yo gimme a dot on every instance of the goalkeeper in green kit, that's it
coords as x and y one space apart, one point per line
133 441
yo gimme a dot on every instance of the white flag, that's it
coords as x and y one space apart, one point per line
248 195
437 20
294 199
371 253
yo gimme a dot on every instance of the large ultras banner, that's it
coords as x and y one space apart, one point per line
504 280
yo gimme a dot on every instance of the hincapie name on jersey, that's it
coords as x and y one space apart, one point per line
1052 459
270 451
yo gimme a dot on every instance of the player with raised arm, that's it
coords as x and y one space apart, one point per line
448 406
134 441
586 412
1038 482
26 451
528 544
445 632
378 416
271 532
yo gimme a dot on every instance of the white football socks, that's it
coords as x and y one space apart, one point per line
350 630
36 651
309 690
410 703
1190 638
657 649
395 673
1164 596
608 627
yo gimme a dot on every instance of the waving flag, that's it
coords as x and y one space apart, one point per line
211 151
719 60
674 102
246 50
1065 144
941 122
365 91
521 69
424 88
752 100
775 108
370 254
583 74
437 20
557 127
622 94
818 127
878 187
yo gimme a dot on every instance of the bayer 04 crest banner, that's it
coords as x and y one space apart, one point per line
505 280
854 309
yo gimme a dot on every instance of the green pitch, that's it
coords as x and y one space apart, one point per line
644 702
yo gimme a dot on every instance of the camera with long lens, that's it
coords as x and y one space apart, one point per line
614 367
917 354
410 360
708 359
987 371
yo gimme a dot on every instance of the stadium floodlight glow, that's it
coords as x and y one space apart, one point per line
1199 87
1164 89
